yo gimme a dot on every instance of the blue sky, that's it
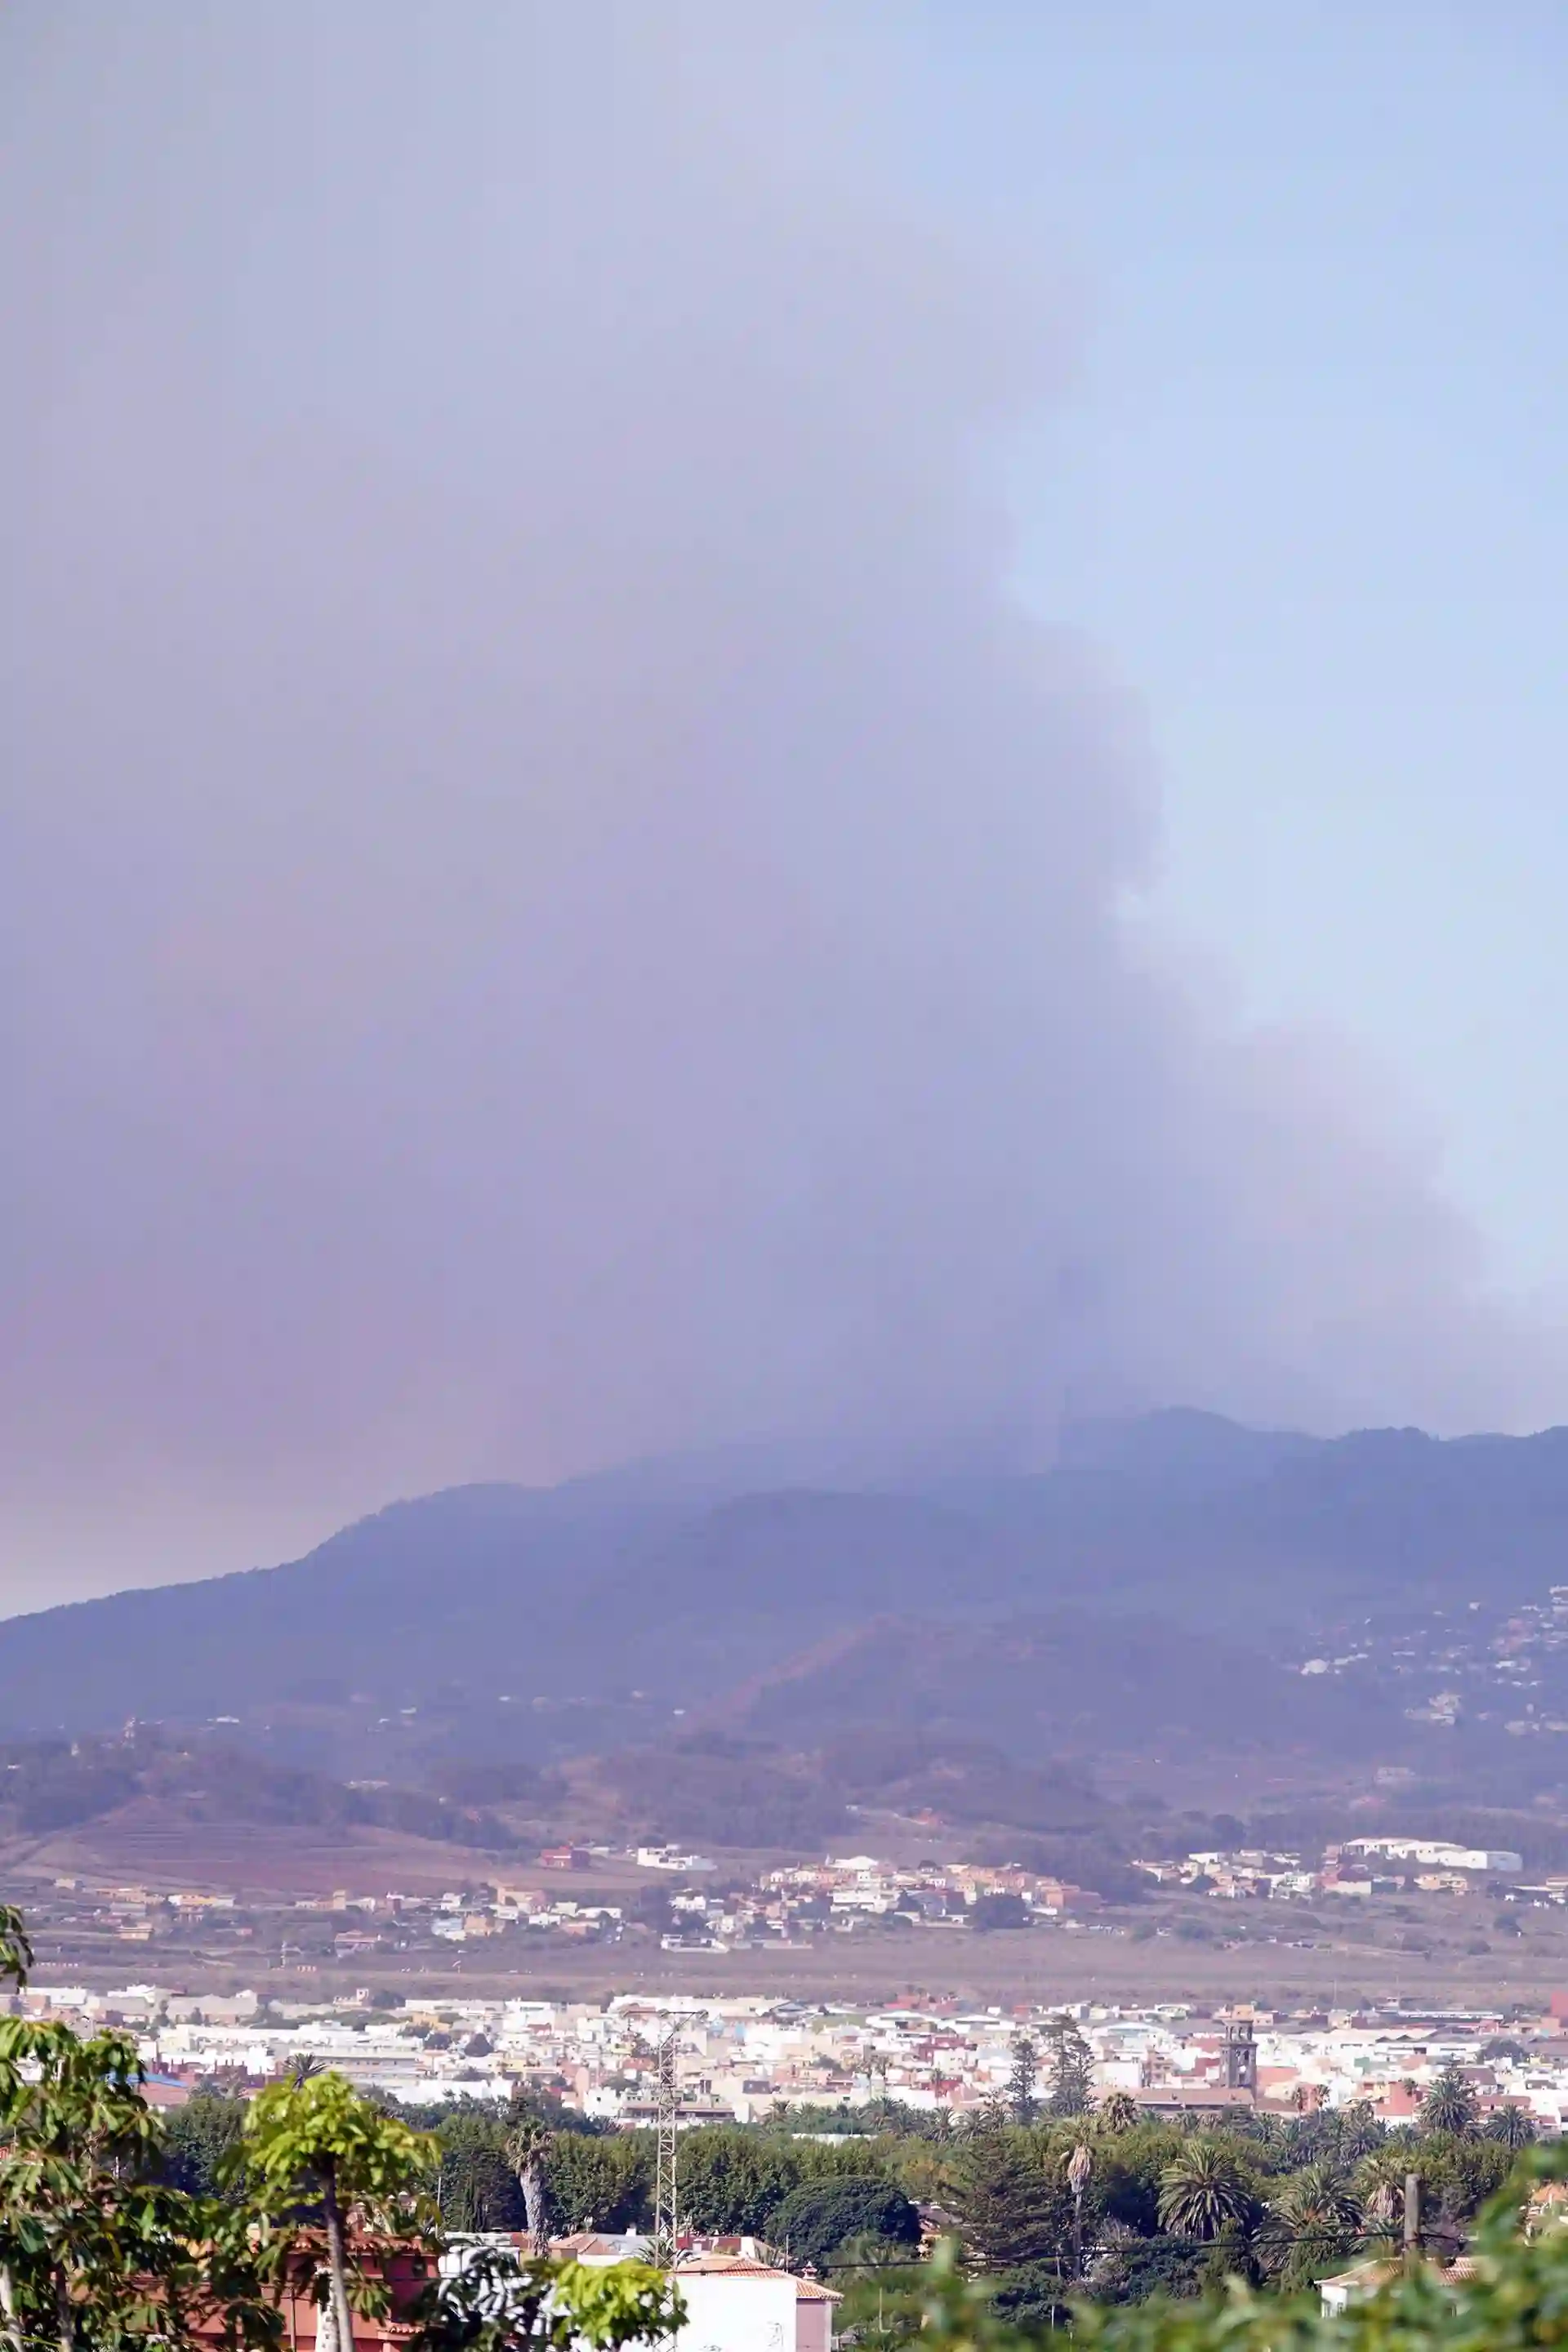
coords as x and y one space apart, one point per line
1307 494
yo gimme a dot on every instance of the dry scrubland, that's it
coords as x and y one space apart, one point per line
1046 1965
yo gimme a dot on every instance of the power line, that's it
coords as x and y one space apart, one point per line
1368 2242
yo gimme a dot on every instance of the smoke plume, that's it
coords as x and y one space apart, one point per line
555 907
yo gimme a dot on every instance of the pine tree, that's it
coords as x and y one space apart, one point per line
1011 2212
1022 2102
1072 2070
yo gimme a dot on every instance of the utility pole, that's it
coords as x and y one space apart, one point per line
1412 2221
667 2111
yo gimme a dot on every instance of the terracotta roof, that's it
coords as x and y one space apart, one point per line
732 2265
1381 2270
747 2266
1376 2271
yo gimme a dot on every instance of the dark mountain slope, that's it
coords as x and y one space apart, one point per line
1195 1452
1288 1533
492 1588
1066 1684
663 1583
387 1602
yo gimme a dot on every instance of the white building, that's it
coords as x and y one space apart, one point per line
736 2304
1438 1854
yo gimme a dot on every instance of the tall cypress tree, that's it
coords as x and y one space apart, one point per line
1023 2103
1012 2213
1072 2069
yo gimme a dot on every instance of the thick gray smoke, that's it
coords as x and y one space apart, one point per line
553 906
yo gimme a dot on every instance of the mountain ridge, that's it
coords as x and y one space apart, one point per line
658 1590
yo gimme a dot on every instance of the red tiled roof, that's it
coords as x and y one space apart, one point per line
748 2266
731 2265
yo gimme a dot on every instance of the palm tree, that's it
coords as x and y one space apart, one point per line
1204 2190
1379 2180
1079 2168
528 2147
319 2140
1358 2131
1118 2111
1450 2105
1511 2126
1312 2223
1380 2213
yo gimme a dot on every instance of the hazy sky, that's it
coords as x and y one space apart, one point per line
724 721
1310 491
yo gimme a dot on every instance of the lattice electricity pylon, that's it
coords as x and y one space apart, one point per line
666 2109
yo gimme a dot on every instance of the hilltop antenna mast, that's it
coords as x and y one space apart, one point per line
666 2110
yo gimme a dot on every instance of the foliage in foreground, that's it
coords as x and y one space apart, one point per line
102 2248
1518 2299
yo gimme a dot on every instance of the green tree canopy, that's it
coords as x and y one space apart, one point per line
605 2183
1204 2190
1012 2210
821 2216
1023 2079
1071 2069
198 2143
989 1912
93 2248
1451 2106
319 2139
1312 2225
